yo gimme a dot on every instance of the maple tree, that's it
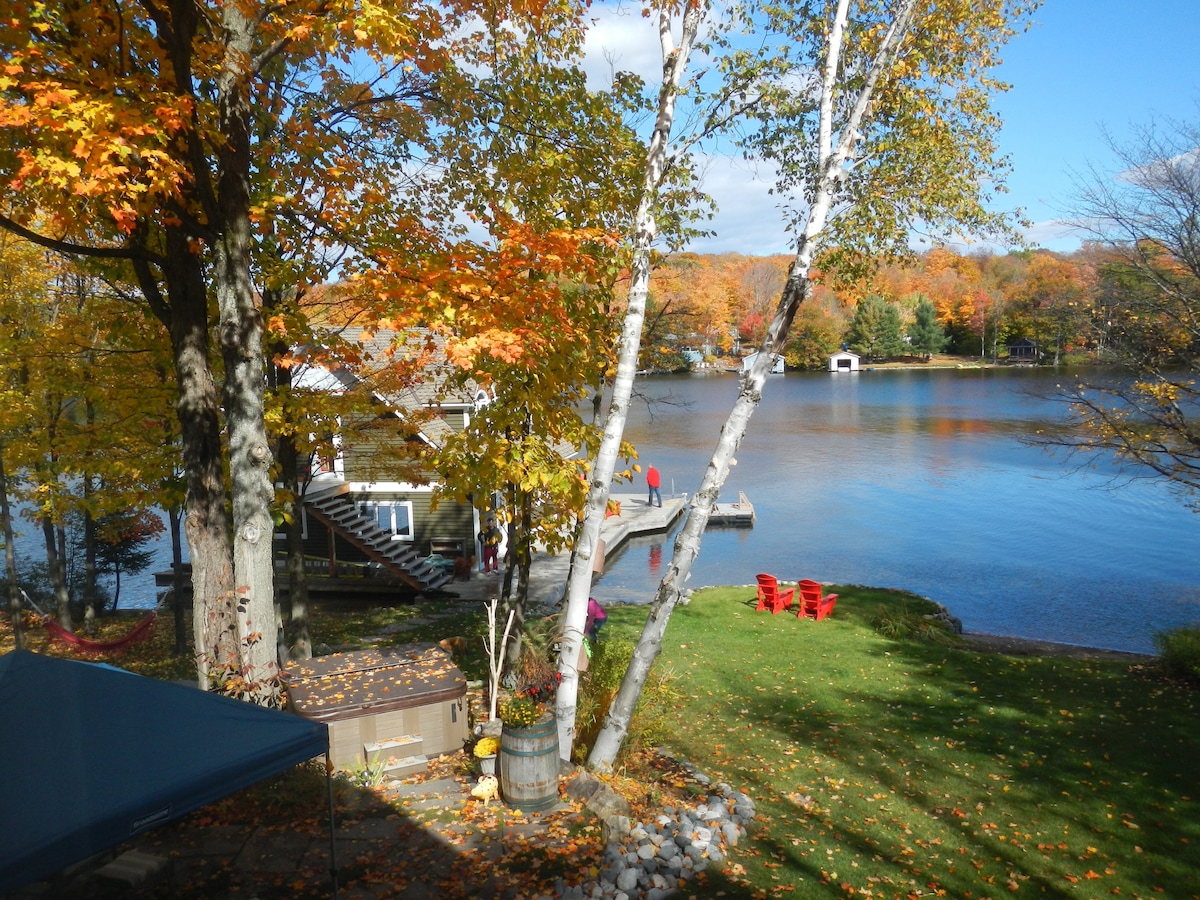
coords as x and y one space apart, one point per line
901 132
21 283
542 166
241 148
75 376
1054 300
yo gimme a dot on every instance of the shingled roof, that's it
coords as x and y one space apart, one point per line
433 389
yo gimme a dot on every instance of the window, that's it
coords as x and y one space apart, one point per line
395 516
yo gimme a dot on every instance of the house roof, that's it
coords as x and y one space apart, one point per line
435 388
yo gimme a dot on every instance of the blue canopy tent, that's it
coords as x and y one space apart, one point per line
107 755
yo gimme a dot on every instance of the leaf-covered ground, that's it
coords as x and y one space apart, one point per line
880 768
894 768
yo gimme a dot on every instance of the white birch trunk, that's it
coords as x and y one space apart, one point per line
675 61
687 546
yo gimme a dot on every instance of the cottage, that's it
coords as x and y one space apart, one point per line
844 361
1023 350
776 363
364 514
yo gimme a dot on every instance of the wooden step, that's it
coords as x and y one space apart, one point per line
132 868
404 746
402 768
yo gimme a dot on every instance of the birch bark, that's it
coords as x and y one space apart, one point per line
831 170
675 60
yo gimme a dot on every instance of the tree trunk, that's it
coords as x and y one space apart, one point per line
520 557
298 639
56 564
579 583
831 170
10 558
295 641
197 409
90 588
241 335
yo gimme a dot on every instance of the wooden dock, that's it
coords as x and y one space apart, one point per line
740 513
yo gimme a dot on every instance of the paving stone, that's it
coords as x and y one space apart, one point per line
440 787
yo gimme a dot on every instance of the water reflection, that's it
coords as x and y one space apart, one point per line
918 480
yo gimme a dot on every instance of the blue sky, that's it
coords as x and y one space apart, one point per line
1084 67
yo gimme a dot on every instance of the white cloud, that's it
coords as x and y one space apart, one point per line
748 218
619 39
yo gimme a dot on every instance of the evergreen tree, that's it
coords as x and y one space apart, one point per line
875 331
926 335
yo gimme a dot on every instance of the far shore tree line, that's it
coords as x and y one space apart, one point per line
939 301
185 181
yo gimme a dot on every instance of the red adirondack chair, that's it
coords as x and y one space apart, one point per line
812 604
771 597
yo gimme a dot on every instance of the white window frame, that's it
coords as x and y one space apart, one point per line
373 509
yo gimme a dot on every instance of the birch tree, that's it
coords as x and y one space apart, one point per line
676 53
900 133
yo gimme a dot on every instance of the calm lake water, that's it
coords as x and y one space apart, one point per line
918 480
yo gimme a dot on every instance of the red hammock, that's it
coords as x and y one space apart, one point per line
88 647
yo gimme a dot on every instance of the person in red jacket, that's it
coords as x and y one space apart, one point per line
653 481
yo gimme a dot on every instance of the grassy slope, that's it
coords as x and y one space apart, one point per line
899 769
894 768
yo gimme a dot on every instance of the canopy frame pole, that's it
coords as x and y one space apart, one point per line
333 863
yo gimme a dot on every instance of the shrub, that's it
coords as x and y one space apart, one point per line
1179 652
536 675
598 687
904 624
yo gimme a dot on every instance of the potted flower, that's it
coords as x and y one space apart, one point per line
485 752
520 712
529 776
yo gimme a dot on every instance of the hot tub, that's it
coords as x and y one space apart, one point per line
392 707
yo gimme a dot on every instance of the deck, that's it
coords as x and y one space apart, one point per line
740 513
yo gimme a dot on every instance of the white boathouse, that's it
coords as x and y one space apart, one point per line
844 361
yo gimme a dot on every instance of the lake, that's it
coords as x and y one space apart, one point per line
918 479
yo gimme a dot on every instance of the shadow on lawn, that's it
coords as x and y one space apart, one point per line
928 767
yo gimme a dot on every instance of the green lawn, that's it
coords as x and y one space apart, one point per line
899 768
885 768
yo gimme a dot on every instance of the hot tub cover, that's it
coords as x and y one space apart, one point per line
362 682
101 755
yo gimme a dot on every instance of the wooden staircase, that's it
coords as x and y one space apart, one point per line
335 511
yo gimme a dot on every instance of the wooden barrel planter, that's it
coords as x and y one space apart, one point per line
529 764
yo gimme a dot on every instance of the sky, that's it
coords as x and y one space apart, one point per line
1086 67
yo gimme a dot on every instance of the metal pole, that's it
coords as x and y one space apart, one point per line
333 866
